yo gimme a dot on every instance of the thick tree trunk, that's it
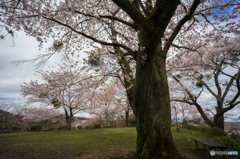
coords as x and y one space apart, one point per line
219 122
153 111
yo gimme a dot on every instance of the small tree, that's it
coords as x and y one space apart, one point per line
63 87
215 69
41 115
122 101
104 102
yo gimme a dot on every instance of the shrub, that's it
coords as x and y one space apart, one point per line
203 129
15 128
35 128
97 126
185 126
235 143
79 127
5 131
88 127
185 122
190 127
109 126
62 127
234 136
216 131
51 128
209 130
212 131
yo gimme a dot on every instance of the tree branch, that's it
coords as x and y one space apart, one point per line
208 88
144 10
216 80
132 25
135 14
231 106
208 21
89 37
184 47
229 85
180 24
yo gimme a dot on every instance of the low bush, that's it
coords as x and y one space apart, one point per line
235 135
109 126
214 131
5 131
184 122
209 130
15 128
225 140
51 128
35 128
79 127
88 127
190 127
62 127
97 126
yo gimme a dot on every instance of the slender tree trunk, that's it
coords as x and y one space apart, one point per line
69 123
127 115
68 119
106 117
153 111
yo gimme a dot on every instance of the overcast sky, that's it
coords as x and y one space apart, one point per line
27 48
12 76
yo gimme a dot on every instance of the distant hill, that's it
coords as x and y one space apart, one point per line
8 119
238 123
174 121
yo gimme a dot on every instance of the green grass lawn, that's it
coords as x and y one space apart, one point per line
88 143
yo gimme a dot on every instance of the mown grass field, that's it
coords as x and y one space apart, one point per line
89 143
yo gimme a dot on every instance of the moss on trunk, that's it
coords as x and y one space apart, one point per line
152 110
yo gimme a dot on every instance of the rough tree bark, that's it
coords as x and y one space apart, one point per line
68 118
151 94
152 109
219 121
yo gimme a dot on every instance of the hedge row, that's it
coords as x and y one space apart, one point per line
96 126
35 128
209 130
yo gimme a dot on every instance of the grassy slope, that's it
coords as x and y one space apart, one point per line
91 143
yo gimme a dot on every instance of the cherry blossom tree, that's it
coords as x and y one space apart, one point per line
67 87
139 35
123 103
103 104
185 111
231 126
41 115
111 104
213 69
